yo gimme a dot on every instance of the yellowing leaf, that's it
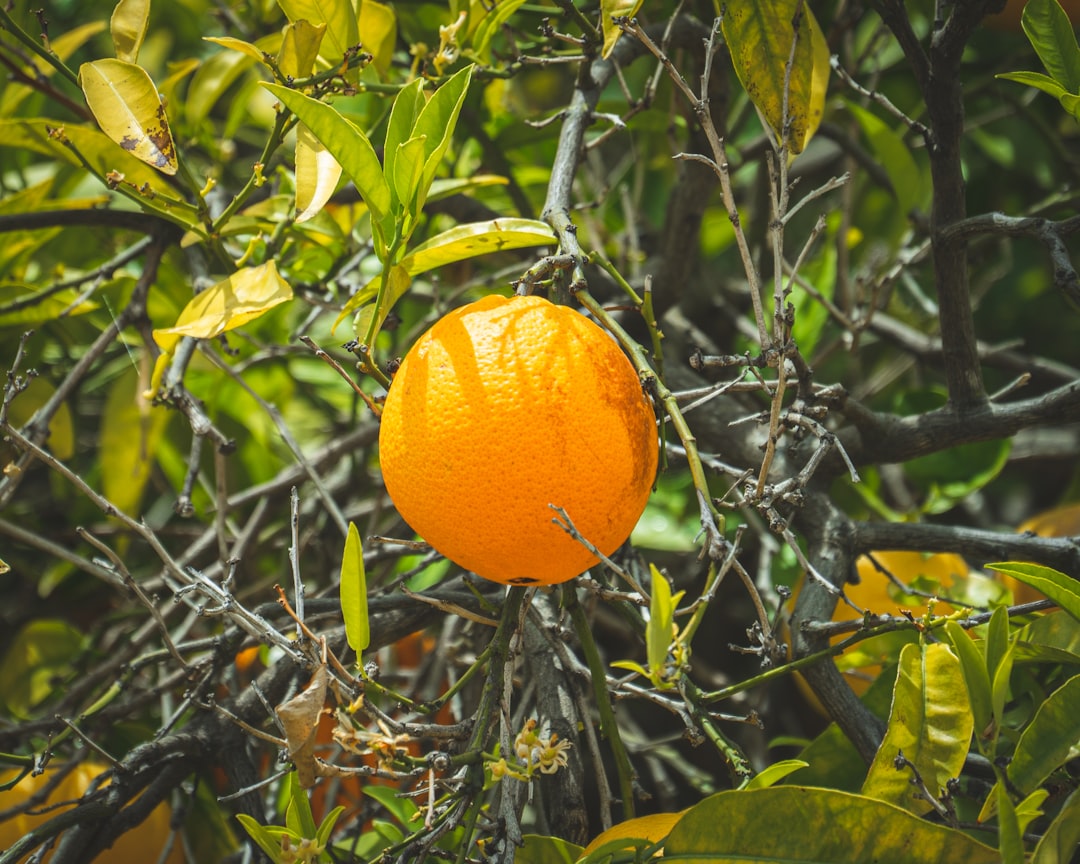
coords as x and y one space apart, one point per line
378 33
61 430
354 603
477 238
300 48
930 723
317 174
128 26
130 431
238 45
610 9
759 35
229 304
339 16
125 103
651 828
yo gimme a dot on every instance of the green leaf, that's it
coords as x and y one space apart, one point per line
497 14
475 239
893 155
298 816
38 660
339 16
927 723
348 145
976 678
408 166
1009 841
536 849
1060 588
759 36
997 640
999 687
131 429
437 120
631 834
794 823
317 174
61 430
128 27
354 604
266 838
126 105
1059 844
300 48
326 827
1051 34
397 283
1037 80
399 127
238 45
615 9
658 633
775 773
1048 739
402 809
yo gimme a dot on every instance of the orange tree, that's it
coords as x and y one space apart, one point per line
827 246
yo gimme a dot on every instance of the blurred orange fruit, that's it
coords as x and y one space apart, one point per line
142 843
1009 17
504 407
1057 522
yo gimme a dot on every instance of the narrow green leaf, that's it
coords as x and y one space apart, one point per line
1048 739
999 687
298 816
128 27
794 823
126 105
1062 589
345 142
63 46
1051 34
1009 842
437 120
1062 838
399 128
1035 79
475 239
658 634
408 166
997 640
775 773
326 827
397 283
266 839
759 36
973 665
354 604
927 723
498 14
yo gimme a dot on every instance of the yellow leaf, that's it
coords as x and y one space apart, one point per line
300 48
339 16
759 35
317 174
651 828
477 238
239 45
126 105
378 33
610 9
128 26
61 441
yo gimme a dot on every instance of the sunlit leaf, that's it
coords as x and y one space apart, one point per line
131 429
408 166
300 48
445 187
658 633
378 33
239 45
126 105
1051 34
927 723
651 829
229 304
775 773
610 9
354 603
399 128
317 174
436 121
128 26
794 823
339 16
346 142
1060 588
475 239
1048 739
760 37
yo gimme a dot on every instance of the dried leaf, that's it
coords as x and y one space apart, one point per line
300 719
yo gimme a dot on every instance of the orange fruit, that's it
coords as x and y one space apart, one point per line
504 407
1009 17
144 842
1057 522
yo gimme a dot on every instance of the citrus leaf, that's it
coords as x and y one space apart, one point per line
317 174
1048 739
378 33
267 840
408 166
397 283
239 45
927 723
1051 34
759 36
477 238
775 773
658 633
218 73
126 105
651 829
61 430
610 9
536 849
444 188
437 120
339 16
1060 588
795 823
300 48
1035 79
229 304
973 666
1058 845
38 660
346 142
128 27
494 17
354 604
399 127
130 432
1009 842
18 306
893 155
298 815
